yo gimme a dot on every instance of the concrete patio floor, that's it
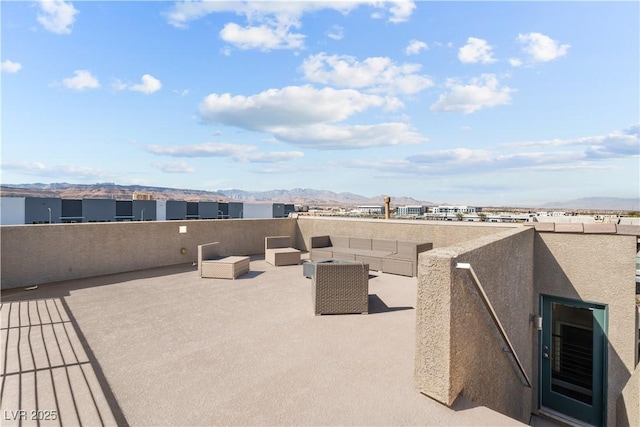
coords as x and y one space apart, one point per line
165 347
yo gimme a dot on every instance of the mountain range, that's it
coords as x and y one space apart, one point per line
302 196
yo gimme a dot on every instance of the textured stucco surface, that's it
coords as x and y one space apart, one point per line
455 332
601 269
628 405
36 254
433 327
440 233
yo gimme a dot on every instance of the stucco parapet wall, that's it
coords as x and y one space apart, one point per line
412 221
628 230
480 242
39 254
544 226
569 228
600 228
597 228
440 371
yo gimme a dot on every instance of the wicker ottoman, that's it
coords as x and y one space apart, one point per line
282 256
225 268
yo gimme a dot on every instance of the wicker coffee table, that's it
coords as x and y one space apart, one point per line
225 268
283 256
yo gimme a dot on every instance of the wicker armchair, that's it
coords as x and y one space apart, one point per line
278 251
340 287
211 265
207 251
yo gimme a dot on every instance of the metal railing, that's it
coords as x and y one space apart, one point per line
494 317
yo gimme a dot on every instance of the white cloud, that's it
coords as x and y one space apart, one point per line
323 136
237 152
10 66
259 11
291 106
401 10
336 32
81 81
57 16
119 85
589 154
304 116
621 143
269 24
481 92
415 46
476 50
148 85
541 48
62 172
271 157
261 37
174 167
473 161
377 74
515 62
208 149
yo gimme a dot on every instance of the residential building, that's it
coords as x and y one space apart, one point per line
370 210
415 210
41 210
98 210
142 196
455 209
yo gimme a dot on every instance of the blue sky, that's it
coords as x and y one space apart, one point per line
480 103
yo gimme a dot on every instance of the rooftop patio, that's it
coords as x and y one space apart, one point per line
164 347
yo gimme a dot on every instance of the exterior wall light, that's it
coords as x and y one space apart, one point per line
537 321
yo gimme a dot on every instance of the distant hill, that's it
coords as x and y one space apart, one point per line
310 197
104 191
598 203
301 196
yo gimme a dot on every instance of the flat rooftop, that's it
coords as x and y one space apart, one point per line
166 347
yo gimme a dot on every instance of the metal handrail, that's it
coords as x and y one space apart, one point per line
494 317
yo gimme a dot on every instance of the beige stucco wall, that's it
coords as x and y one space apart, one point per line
628 404
37 254
597 268
440 233
458 348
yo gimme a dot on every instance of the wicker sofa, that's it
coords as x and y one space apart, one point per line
386 255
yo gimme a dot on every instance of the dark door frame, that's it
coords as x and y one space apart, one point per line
600 343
